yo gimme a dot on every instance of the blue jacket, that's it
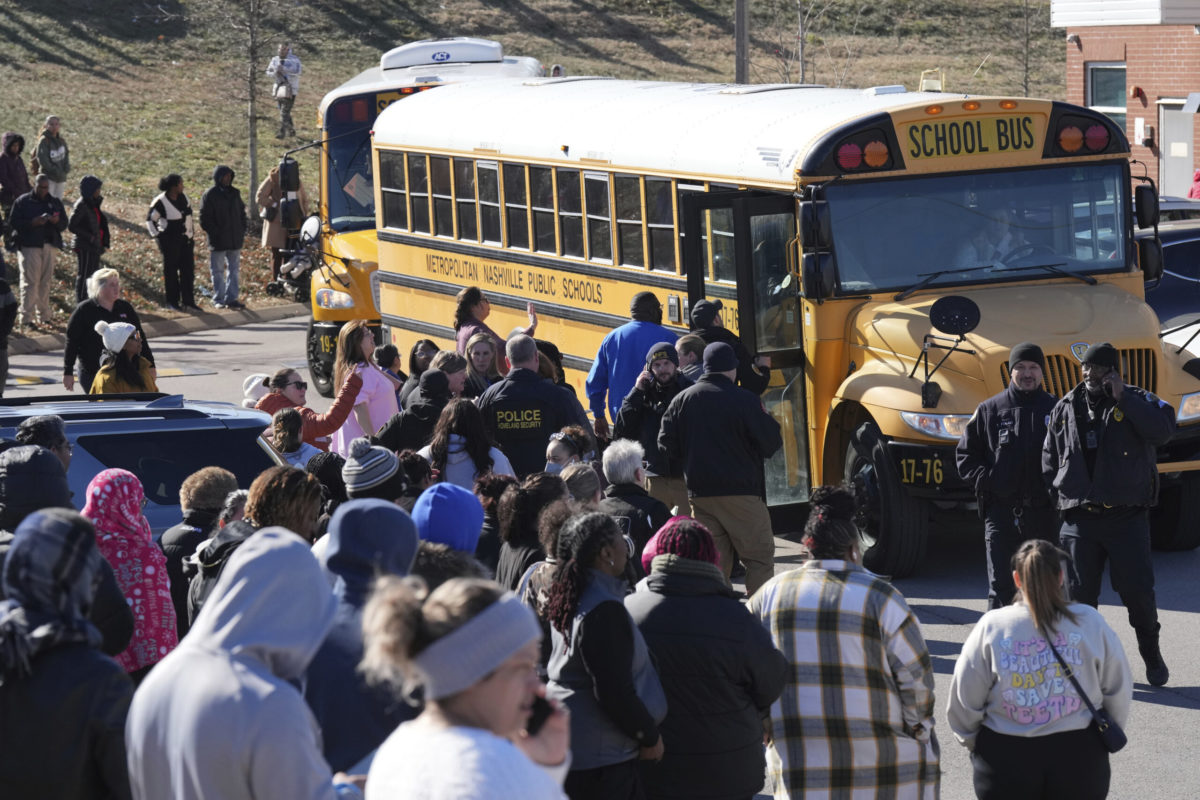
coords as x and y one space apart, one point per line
366 538
621 358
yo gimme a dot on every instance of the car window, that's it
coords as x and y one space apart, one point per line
1182 258
163 459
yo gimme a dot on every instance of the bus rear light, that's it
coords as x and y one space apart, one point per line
971 105
1008 105
358 111
933 109
875 154
1096 137
1070 139
850 156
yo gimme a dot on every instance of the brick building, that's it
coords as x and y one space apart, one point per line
1137 61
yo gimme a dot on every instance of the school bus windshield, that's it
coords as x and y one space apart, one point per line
980 227
351 189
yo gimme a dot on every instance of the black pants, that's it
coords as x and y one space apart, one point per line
614 782
1123 539
89 262
1070 765
179 269
1004 532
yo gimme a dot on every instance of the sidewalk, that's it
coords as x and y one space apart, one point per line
157 326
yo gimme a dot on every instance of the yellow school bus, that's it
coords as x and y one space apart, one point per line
829 222
346 287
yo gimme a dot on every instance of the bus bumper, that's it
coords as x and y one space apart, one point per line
929 471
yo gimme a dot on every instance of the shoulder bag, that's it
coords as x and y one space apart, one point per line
1106 727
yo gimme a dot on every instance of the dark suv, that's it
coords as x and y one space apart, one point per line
160 438
1176 298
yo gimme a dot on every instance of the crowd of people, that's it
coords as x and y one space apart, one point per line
457 586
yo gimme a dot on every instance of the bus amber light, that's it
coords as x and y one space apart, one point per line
1008 105
849 156
971 105
875 154
933 109
1070 139
1096 137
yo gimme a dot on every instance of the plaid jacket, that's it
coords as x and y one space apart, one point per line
856 717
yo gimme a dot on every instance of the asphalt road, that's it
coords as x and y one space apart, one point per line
948 595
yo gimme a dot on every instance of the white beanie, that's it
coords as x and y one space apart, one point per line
115 334
253 389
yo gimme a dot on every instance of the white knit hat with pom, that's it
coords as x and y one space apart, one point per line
114 334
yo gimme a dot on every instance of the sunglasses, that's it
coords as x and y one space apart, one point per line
301 385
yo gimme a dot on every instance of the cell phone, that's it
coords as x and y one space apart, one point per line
538 715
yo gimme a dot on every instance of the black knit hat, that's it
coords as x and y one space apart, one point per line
644 303
1103 355
719 357
662 350
1027 351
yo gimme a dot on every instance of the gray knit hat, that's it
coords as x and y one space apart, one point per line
368 466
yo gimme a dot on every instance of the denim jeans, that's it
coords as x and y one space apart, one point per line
225 281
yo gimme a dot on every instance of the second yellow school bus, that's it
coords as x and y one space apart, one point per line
828 221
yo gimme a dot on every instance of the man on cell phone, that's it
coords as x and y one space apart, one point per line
1099 459
38 219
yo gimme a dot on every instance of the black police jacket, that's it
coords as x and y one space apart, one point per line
520 412
722 435
1000 452
748 377
640 418
1124 473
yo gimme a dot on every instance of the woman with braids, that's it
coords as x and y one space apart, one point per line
718 666
471 648
287 390
461 450
856 714
283 496
286 428
520 507
469 315
1035 741
600 667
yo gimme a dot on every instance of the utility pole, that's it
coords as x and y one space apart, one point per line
741 36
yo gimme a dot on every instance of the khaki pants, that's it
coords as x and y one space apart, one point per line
37 269
671 491
740 522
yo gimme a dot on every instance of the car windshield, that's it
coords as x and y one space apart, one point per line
1017 224
350 183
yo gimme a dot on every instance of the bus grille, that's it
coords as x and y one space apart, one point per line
1138 368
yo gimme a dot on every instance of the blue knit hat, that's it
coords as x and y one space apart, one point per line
449 514
719 357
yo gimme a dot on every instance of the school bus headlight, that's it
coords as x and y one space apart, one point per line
1189 407
939 426
331 298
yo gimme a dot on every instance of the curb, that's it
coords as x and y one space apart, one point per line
205 320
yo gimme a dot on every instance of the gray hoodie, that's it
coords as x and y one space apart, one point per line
218 716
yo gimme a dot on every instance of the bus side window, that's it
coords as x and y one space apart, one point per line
489 201
395 198
599 216
514 206
570 212
660 219
629 221
418 188
443 200
541 197
464 193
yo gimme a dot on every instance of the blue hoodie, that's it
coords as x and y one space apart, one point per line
366 538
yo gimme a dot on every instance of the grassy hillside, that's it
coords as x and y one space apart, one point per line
145 88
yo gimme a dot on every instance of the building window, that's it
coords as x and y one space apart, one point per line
1106 89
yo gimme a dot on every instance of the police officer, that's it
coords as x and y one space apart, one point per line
1000 454
521 411
1099 457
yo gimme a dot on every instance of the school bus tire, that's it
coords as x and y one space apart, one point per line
318 370
1175 521
893 522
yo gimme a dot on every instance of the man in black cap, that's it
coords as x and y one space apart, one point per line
1000 454
753 373
640 419
619 360
1099 457
722 436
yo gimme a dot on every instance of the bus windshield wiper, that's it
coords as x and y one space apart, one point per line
929 277
1057 269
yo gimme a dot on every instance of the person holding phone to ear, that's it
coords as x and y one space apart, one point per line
1099 460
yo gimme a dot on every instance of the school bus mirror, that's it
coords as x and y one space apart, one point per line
815 232
1150 257
291 215
289 175
818 275
1145 204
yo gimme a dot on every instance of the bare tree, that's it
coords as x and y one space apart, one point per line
798 26
1032 23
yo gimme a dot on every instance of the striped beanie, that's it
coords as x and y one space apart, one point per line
368 466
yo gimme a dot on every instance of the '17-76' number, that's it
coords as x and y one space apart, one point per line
921 470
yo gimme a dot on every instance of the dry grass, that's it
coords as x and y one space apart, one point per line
141 96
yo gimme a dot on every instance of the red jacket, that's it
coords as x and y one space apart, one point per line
317 427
